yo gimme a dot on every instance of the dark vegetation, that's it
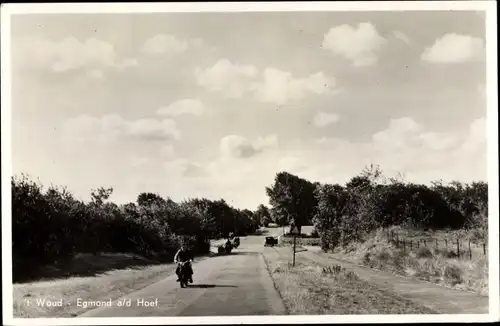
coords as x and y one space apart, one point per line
345 214
50 226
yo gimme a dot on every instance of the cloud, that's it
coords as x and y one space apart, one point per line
113 126
279 87
69 54
162 44
233 80
455 48
477 136
323 119
405 146
185 106
399 135
167 151
185 168
438 141
360 45
239 147
401 36
292 164
269 86
95 74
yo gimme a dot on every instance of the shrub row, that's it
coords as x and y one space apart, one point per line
346 213
50 225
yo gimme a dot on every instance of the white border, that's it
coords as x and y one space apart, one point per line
492 126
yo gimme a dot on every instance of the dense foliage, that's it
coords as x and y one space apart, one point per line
51 225
293 199
343 214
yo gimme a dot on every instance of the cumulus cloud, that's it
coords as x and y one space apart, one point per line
455 48
239 147
405 146
162 44
114 126
400 134
269 86
323 119
279 87
401 36
167 151
361 45
233 80
477 136
184 106
292 164
69 54
185 168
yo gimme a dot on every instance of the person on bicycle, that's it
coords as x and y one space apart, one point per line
182 256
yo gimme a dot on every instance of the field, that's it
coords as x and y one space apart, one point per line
97 285
309 289
436 265
432 262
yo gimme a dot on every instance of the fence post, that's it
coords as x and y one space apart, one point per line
425 243
484 248
446 243
411 245
470 251
418 244
458 248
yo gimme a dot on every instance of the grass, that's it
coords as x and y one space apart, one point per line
477 236
310 289
437 265
98 284
300 241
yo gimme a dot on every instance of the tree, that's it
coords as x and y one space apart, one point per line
293 197
263 215
100 195
148 198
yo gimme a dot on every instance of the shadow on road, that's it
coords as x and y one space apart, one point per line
242 253
206 286
83 265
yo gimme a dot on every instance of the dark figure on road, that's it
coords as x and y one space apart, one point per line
183 256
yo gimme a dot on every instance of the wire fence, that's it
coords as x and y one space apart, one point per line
459 248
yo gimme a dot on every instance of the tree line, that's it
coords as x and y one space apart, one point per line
51 225
343 214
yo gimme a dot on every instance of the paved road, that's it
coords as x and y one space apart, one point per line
237 284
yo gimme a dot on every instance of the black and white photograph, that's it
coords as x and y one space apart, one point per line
214 163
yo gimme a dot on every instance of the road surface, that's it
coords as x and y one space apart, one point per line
232 285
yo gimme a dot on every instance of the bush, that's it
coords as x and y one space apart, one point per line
348 214
453 274
424 252
50 225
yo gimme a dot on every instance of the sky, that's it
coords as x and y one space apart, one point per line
215 104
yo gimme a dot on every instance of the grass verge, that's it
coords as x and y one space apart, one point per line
111 284
309 289
288 241
439 266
